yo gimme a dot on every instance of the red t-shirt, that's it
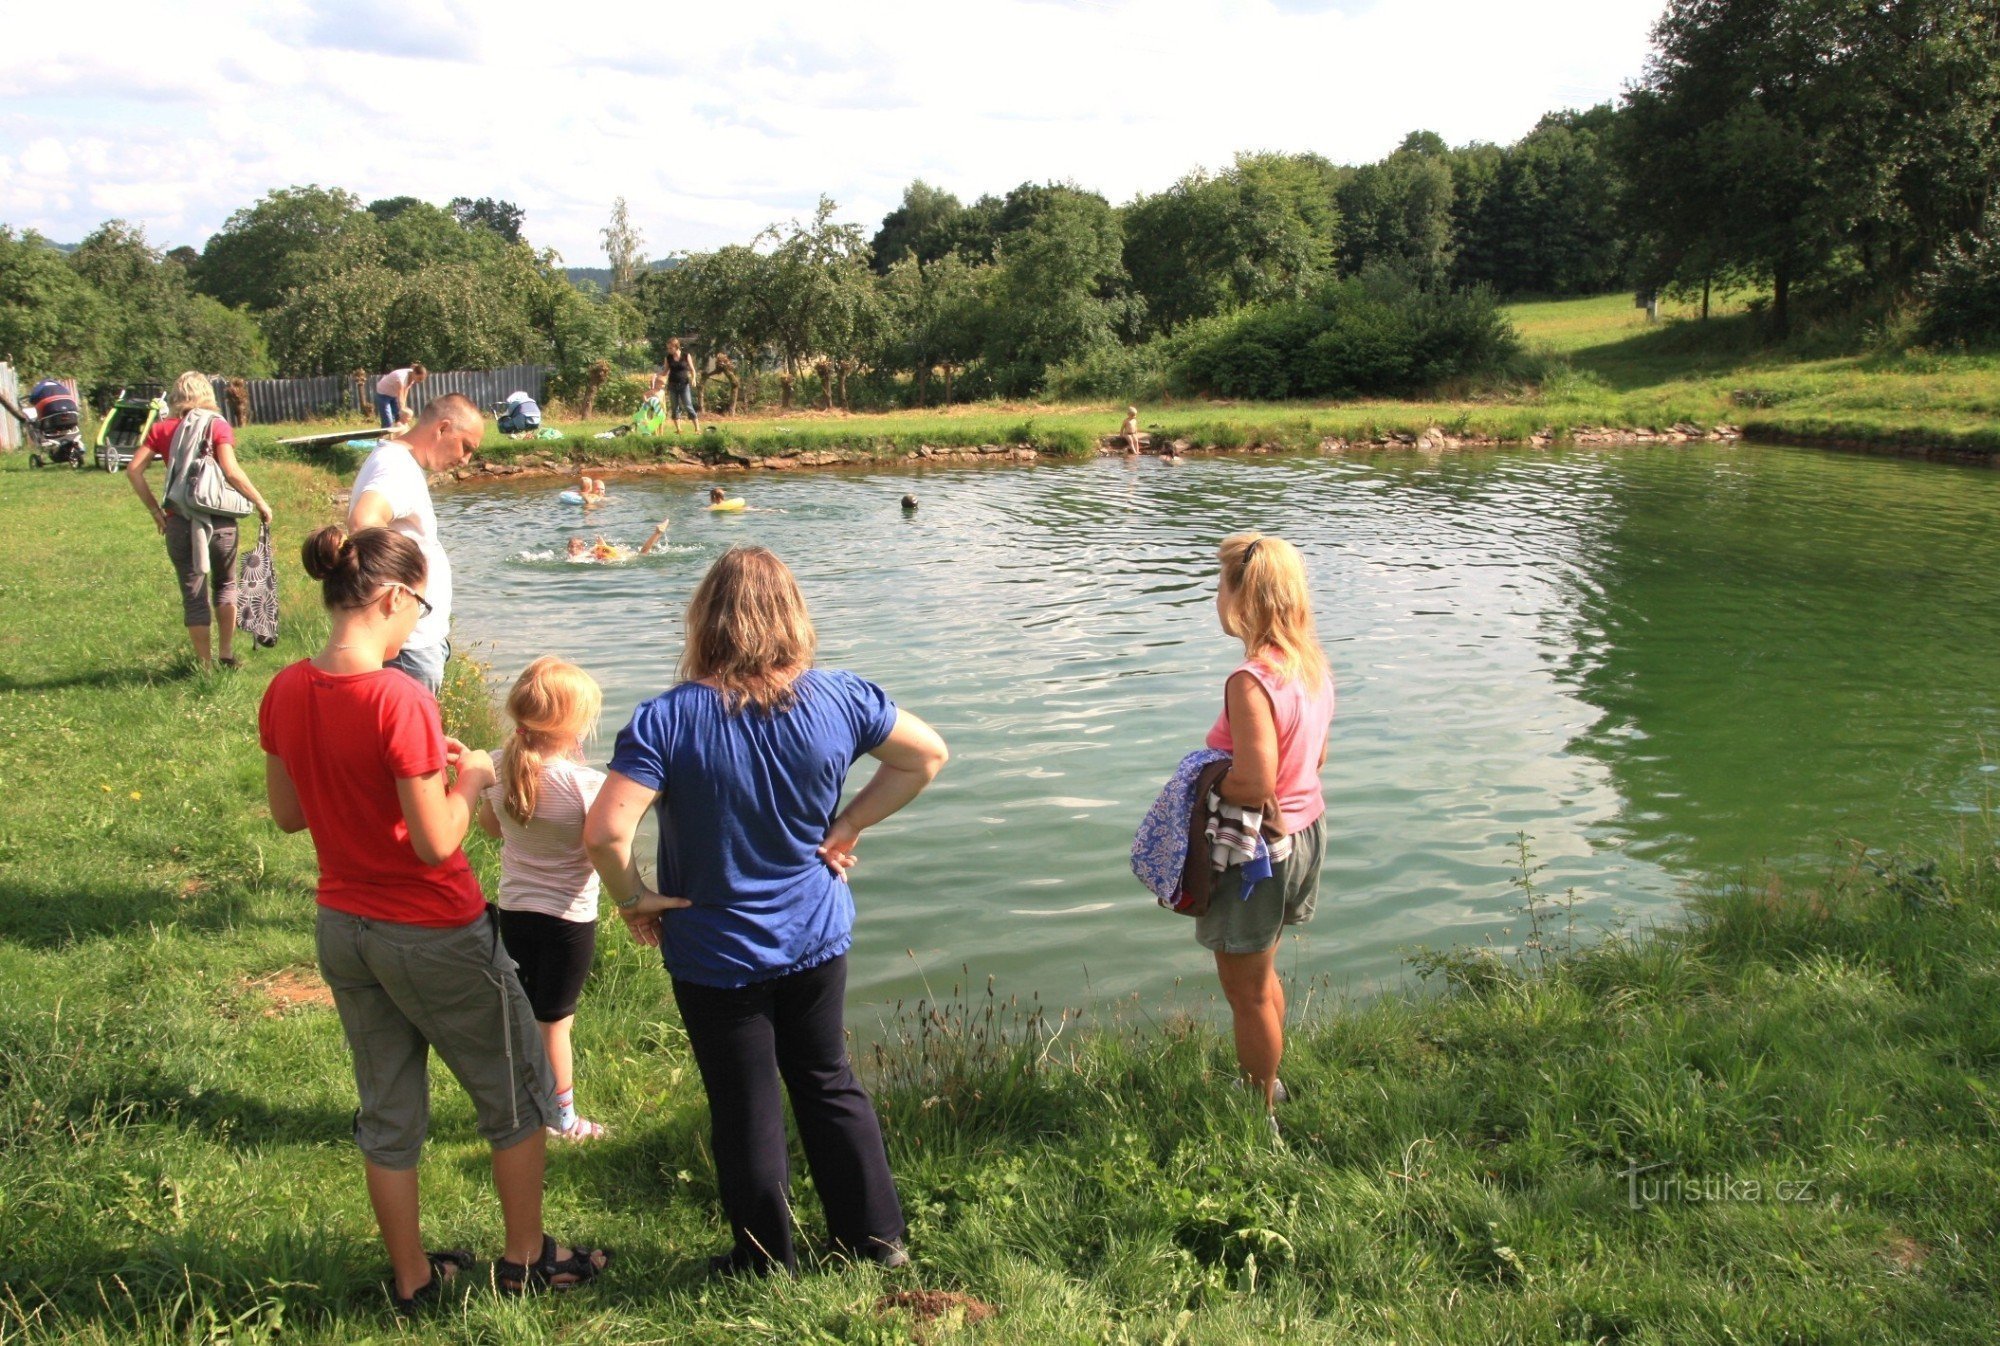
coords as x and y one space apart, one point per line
346 739
161 437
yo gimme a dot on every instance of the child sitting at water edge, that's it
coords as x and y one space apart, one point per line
548 891
600 551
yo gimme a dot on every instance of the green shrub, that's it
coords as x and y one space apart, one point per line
1373 334
621 396
1120 373
1962 292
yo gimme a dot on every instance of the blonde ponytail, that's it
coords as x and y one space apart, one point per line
553 705
1270 607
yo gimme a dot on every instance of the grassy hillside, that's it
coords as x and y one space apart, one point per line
1775 1125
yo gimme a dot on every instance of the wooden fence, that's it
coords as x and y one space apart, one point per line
330 396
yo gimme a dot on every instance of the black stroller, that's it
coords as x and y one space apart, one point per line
55 426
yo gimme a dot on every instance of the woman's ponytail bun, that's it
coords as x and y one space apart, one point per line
324 551
351 570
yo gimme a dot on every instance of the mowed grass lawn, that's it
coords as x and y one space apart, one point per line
1812 1074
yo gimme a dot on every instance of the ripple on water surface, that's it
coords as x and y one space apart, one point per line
1661 665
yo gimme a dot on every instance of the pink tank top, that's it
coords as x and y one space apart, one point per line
1302 716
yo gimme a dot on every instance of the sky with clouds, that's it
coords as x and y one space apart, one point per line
715 120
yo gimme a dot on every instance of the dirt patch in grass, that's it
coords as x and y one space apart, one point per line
1905 1255
290 989
932 1310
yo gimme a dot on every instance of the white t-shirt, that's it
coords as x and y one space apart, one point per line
392 473
543 865
395 382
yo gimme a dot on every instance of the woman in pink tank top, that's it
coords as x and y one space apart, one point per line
1276 709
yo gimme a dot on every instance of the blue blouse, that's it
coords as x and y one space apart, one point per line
745 800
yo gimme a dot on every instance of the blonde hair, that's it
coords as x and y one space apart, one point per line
554 703
1268 606
192 389
748 632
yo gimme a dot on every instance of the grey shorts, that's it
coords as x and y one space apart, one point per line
1234 924
403 990
195 586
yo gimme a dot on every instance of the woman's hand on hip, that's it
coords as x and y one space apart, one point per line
837 850
642 918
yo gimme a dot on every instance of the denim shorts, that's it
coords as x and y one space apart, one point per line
406 990
425 663
1236 924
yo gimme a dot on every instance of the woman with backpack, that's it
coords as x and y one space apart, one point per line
202 546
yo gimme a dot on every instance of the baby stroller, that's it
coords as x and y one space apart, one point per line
518 415
55 424
124 429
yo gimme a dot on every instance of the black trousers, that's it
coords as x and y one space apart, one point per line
745 1041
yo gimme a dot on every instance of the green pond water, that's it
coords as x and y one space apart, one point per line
1667 667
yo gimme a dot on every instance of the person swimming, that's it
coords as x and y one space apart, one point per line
718 499
600 552
909 504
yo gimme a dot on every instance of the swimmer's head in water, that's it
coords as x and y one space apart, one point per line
715 495
909 502
576 546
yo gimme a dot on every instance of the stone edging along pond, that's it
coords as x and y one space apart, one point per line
565 460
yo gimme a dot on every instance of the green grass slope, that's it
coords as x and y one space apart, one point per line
1811 1079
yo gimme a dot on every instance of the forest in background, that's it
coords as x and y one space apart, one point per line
1836 160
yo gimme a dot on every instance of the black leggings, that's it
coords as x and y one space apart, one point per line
745 1040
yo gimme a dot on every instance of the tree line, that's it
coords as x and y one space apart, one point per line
1832 157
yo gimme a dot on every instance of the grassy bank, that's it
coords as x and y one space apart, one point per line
1601 365
1816 1073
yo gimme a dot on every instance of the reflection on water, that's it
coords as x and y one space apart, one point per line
1660 664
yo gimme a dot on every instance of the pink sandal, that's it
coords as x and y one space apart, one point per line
582 1129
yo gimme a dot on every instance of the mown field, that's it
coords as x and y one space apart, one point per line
1808 1076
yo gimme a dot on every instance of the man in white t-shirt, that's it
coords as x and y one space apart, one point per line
392 490
392 392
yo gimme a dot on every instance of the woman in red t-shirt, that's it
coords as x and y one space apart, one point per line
355 752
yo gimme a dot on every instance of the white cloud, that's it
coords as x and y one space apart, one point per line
712 122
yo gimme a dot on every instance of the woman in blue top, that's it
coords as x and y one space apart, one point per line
746 757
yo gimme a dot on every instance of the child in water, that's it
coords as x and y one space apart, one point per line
536 804
599 551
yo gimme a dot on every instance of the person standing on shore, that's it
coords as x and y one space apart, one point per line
541 792
203 549
392 490
357 756
392 390
679 369
1277 706
745 757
